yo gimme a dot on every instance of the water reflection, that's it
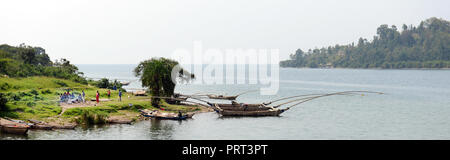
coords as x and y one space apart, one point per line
161 129
6 136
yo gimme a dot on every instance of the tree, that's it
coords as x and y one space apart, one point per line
3 101
413 47
156 74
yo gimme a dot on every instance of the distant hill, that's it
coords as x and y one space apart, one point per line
424 46
26 61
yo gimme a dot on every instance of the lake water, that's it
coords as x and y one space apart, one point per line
416 106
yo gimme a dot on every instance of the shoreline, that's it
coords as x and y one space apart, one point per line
371 68
36 101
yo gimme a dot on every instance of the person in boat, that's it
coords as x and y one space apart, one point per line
120 95
180 114
109 94
97 96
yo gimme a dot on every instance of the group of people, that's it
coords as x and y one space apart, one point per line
71 98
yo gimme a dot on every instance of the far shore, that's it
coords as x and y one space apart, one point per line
372 68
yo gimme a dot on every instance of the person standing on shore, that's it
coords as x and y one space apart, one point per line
120 95
109 94
97 96
83 96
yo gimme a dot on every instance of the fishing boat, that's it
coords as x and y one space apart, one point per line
269 112
170 116
222 97
13 127
175 100
243 107
125 83
139 93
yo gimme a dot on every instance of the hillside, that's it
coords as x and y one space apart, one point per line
424 46
25 61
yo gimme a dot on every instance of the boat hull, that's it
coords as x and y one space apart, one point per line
223 97
13 129
168 116
244 107
256 113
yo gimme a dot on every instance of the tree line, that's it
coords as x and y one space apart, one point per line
423 46
25 61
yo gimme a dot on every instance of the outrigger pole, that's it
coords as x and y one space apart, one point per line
303 100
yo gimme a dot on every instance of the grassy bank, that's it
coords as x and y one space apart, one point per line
37 98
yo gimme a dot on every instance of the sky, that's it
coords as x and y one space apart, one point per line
130 31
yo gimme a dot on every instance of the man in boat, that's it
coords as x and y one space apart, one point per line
180 114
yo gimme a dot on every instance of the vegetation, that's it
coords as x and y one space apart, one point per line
425 46
156 74
37 98
3 101
105 83
31 85
25 61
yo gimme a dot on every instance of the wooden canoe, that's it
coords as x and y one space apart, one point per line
169 116
13 127
270 112
222 97
244 107
139 93
42 126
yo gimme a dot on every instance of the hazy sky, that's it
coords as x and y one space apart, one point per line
129 31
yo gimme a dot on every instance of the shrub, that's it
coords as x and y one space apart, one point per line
34 92
31 104
3 101
5 86
60 83
89 117
47 91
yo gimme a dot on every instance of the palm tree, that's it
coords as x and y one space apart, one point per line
156 75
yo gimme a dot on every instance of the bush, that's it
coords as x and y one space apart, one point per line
34 92
3 101
31 104
5 86
47 91
89 117
60 83
103 83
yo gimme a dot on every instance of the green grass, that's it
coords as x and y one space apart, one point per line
21 84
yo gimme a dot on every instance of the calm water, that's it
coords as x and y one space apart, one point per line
416 106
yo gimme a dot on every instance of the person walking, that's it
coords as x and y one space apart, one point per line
120 95
97 96
109 94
